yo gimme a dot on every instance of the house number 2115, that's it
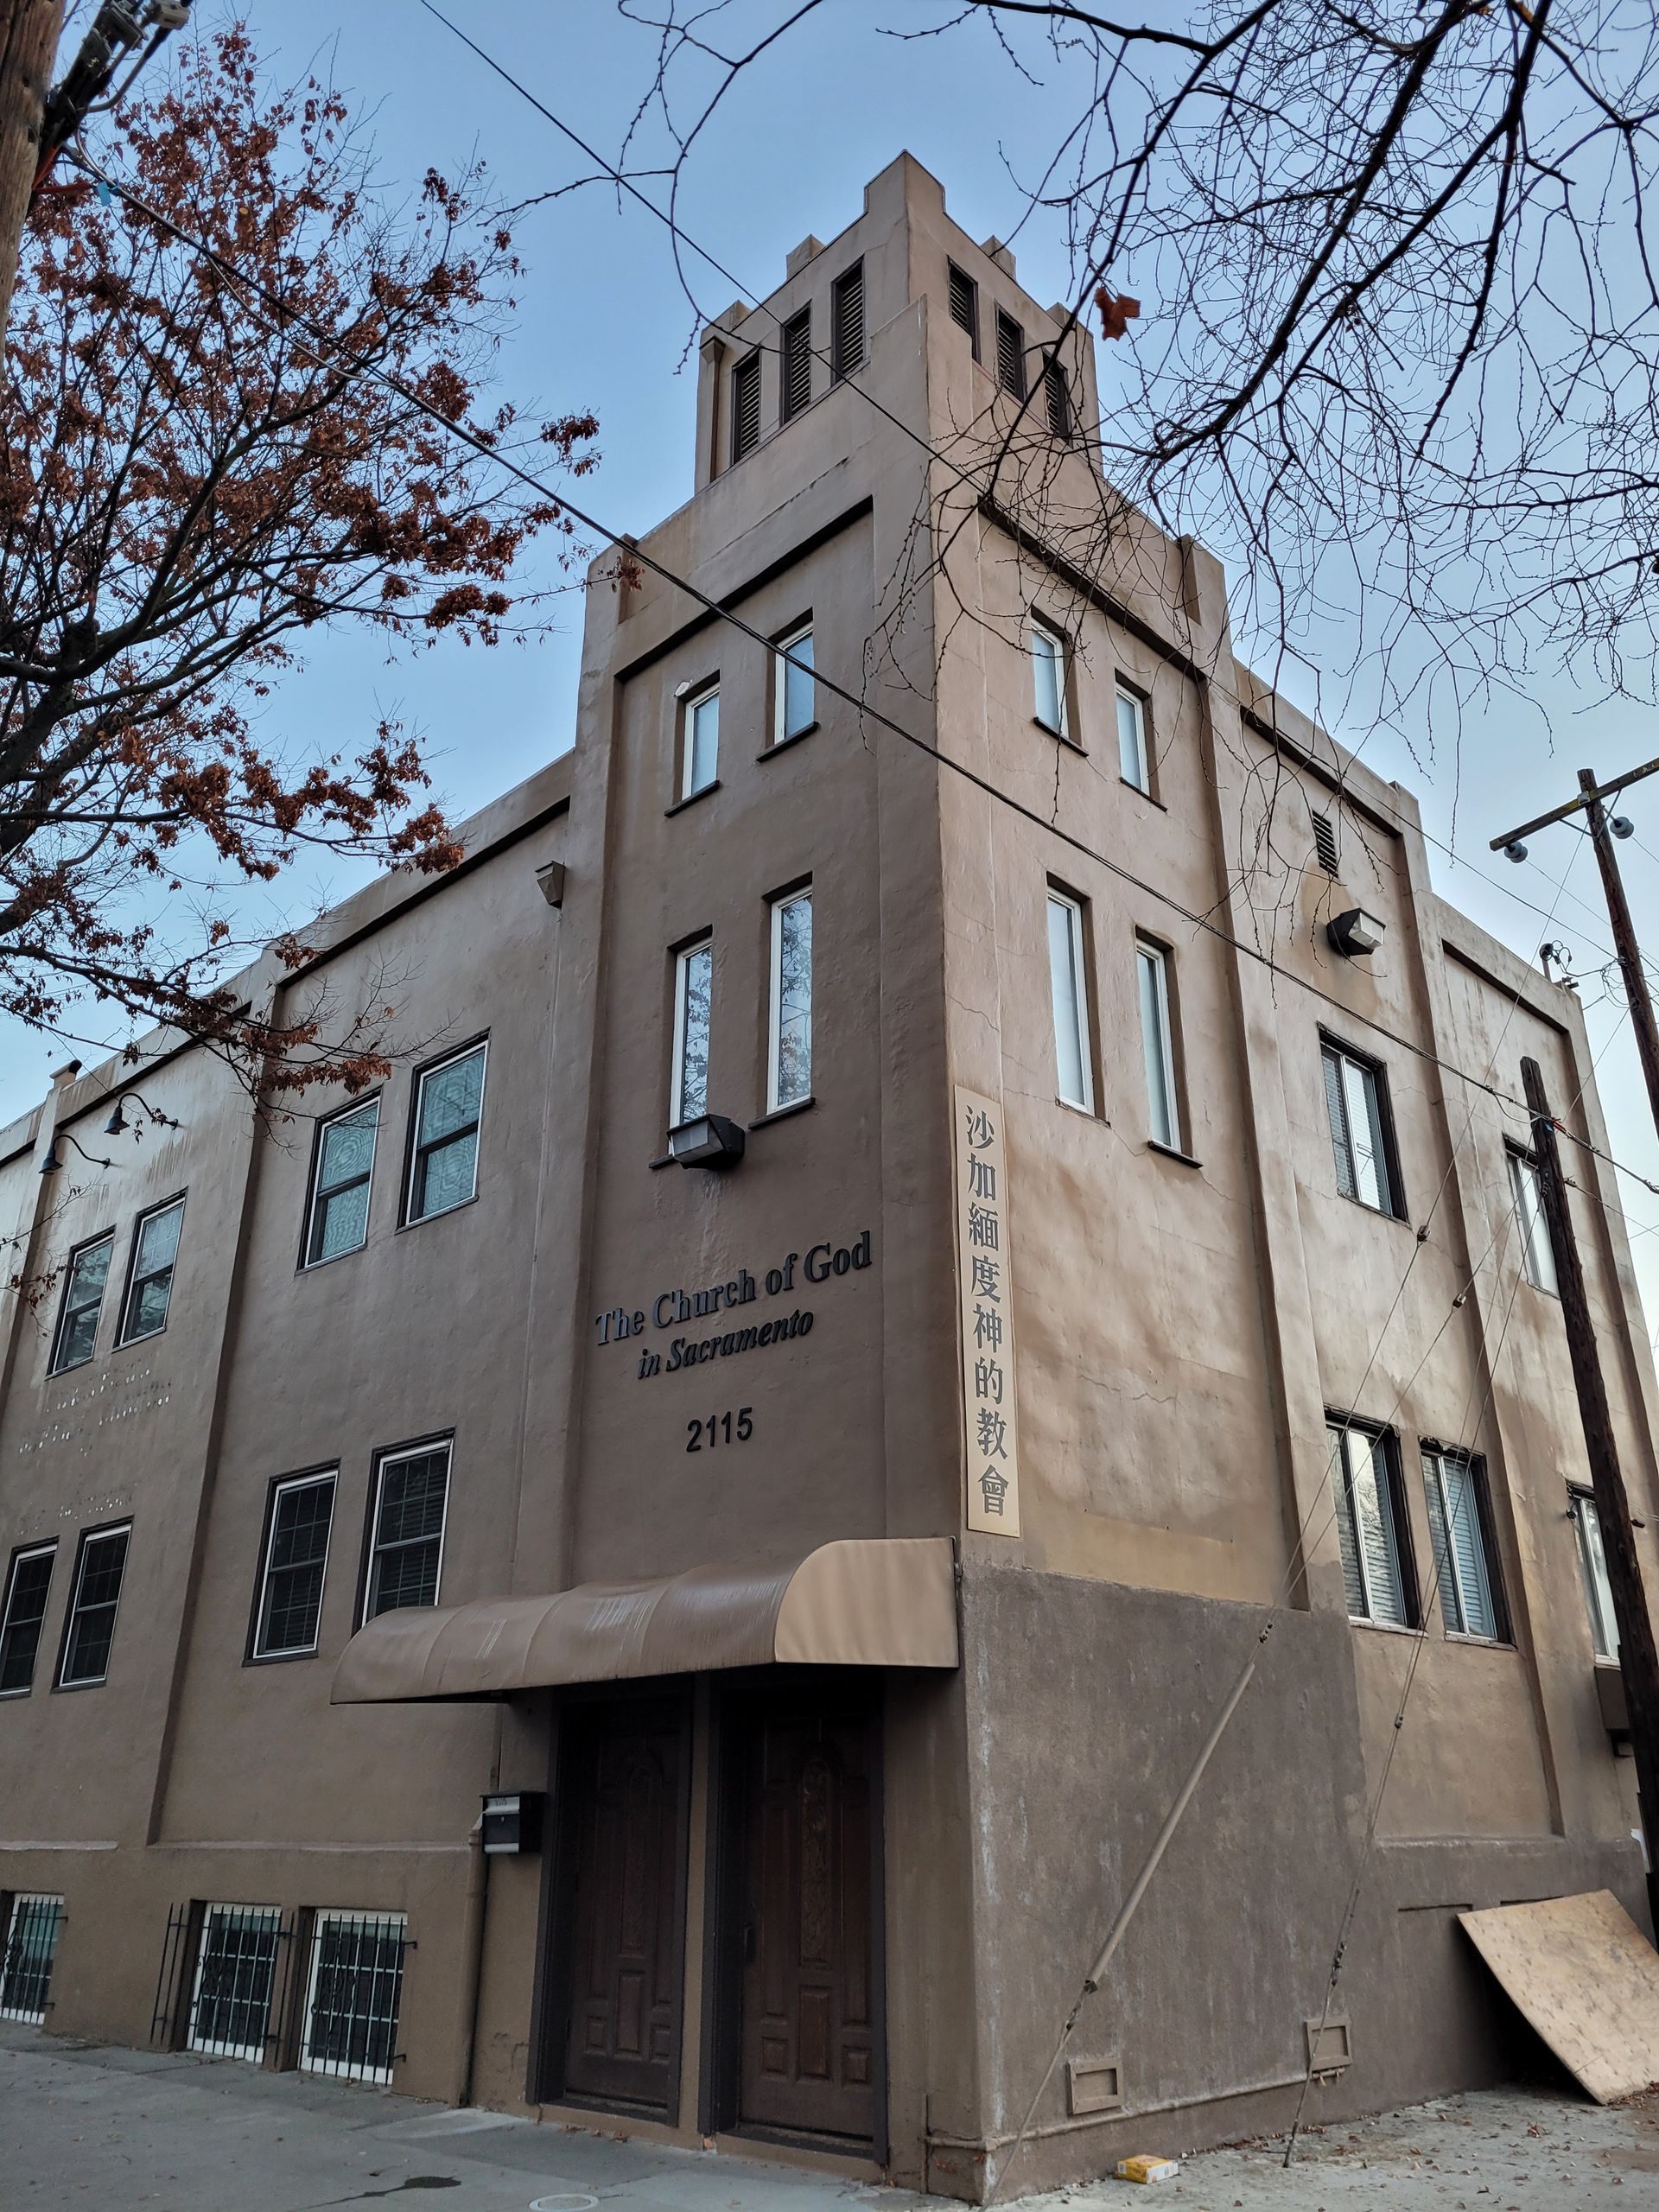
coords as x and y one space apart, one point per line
722 1428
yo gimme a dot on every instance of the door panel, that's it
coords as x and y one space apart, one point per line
624 1768
806 2036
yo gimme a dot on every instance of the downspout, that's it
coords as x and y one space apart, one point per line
472 1958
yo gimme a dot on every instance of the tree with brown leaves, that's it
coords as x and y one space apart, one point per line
204 457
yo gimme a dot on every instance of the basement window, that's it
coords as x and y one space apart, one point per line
353 1994
236 1975
32 1929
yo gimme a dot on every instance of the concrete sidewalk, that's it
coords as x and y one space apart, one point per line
99 2126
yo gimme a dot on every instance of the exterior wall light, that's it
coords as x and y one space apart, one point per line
710 1141
119 1124
550 882
52 1163
1356 934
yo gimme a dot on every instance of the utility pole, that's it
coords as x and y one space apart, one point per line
1603 830
1638 1657
28 39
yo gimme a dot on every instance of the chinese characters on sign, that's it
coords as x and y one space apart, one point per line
987 1317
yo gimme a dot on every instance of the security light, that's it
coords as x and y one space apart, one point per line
710 1141
1356 934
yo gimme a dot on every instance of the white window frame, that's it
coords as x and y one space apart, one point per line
1593 1573
314 1192
682 960
126 1333
1436 1461
323 1917
689 706
481 1046
1050 647
775 1019
89 1537
1083 1039
1343 1437
1537 1252
1353 1071
1140 780
781 733
8 1597
19 1899
58 1364
213 2046
395 1457
1154 959
318 1476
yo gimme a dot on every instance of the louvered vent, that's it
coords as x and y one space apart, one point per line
965 305
1010 355
1325 842
745 407
1058 399
797 364
847 322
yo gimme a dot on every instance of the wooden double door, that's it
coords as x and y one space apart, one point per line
793 1897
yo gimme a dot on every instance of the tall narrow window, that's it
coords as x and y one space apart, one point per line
236 1977
965 305
295 1565
847 322
1592 1565
353 1994
337 1219
1010 355
1048 659
28 1583
1152 963
449 1102
83 1296
794 348
1057 398
406 1547
745 407
31 1945
700 742
694 981
150 1285
1073 1060
1132 741
1465 1552
794 687
1372 1527
1354 1103
1537 1253
789 1059
90 1630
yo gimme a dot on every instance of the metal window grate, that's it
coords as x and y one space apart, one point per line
965 305
847 322
235 1979
33 1926
1010 355
1325 842
797 370
1058 398
353 1994
745 407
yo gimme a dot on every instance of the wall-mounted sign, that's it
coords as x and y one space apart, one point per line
674 1308
982 1257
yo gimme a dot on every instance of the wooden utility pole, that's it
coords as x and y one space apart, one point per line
1638 1657
29 41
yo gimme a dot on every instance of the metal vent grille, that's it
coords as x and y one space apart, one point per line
1325 842
847 322
965 305
745 407
1058 400
1010 355
797 365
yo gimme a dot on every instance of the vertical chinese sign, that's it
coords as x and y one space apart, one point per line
987 1317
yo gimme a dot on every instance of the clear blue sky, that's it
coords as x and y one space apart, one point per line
602 323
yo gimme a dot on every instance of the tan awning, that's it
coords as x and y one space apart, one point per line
885 1602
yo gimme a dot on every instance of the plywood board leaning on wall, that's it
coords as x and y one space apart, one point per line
1585 1976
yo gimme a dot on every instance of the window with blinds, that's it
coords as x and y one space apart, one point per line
1357 1105
794 348
406 1545
298 1523
1465 1557
745 407
1372 1530
1057 398
1010 355
965 305
847 322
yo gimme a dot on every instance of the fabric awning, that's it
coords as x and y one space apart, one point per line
881 1602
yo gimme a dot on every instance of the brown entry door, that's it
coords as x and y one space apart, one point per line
623 1767
806 2043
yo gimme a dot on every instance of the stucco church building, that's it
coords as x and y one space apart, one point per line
662 1567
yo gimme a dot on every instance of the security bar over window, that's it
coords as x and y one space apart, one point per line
406 1553
83 1296
149 1292
337 1220
28 1580
1465 1561
1370 1528
449 1101
353 1994
31 1945
789 1058
236 1977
